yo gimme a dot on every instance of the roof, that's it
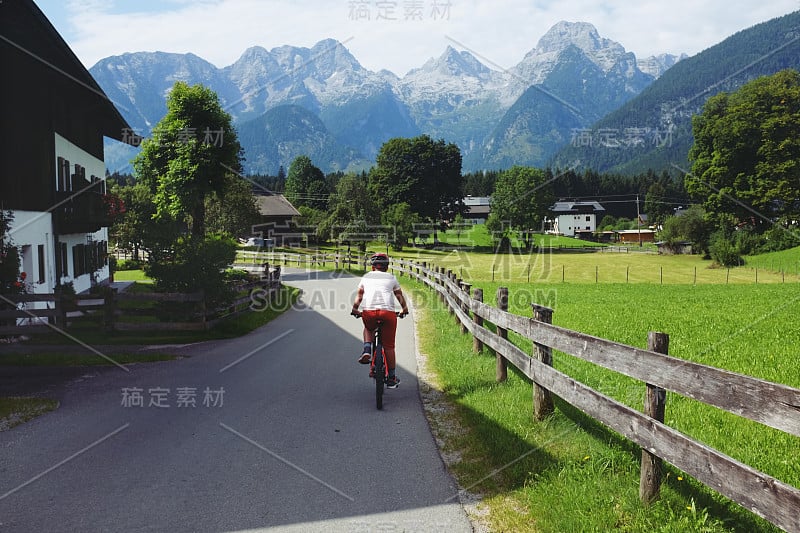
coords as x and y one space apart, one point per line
25 30
476 200
275 205
567 207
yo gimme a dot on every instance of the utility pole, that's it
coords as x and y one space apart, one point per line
638 221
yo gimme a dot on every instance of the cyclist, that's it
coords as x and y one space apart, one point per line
377 291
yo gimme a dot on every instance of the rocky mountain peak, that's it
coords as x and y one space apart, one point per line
452 63
563 40
657 65
563 33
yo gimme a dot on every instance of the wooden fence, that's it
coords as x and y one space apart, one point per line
771 404
118 310
336 260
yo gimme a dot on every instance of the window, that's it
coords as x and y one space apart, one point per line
40 259
588 218
62 264
79 260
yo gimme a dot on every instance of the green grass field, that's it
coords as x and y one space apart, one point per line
787 261
555 265
131 275
579 476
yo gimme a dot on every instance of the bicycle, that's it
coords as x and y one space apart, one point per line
378 369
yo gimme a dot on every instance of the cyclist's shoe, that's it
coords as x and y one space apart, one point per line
392 382
364 359
372 372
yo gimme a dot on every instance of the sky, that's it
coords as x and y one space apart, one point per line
396 35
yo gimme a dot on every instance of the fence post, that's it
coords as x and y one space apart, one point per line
465 307
502 363
61 308
448 278
109 301
655 400
477 345
542 399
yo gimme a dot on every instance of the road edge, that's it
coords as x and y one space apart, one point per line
439 414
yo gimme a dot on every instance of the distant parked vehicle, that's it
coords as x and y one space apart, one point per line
260 242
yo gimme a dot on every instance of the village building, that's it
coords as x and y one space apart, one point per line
571 217
52 171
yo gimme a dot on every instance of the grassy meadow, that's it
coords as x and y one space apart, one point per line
570 473
559 260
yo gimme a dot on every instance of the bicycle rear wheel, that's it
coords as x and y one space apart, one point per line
379 376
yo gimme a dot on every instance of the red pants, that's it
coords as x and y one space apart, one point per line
388 328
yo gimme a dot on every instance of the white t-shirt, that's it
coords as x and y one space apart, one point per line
379 290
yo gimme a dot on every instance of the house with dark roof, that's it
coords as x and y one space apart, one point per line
570 217
477 209
52 170
277 220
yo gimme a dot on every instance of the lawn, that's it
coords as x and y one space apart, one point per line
552 265
131 275
569 473
787 261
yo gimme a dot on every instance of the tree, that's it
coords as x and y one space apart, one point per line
421 172
305 184
192 157
138 228
401 220
12 281
235 211
350 202
9 257
746 152
192 150
480 183
655 205
522 198
690 226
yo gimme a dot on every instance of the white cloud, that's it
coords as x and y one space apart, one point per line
502 31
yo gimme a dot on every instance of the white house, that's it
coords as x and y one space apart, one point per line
478 208
571 217
52 172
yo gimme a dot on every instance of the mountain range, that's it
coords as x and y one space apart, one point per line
575 99
654 129
321 102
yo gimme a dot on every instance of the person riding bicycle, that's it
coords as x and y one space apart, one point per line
377 291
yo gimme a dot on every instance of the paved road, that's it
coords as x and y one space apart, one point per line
283 435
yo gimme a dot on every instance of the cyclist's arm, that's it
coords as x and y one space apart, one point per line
359 297
398 293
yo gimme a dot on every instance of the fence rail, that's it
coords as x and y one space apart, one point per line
43 313
771 404
337 260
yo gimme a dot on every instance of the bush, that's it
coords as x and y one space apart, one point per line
780 237
747 241
233 275
723 251
195 265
